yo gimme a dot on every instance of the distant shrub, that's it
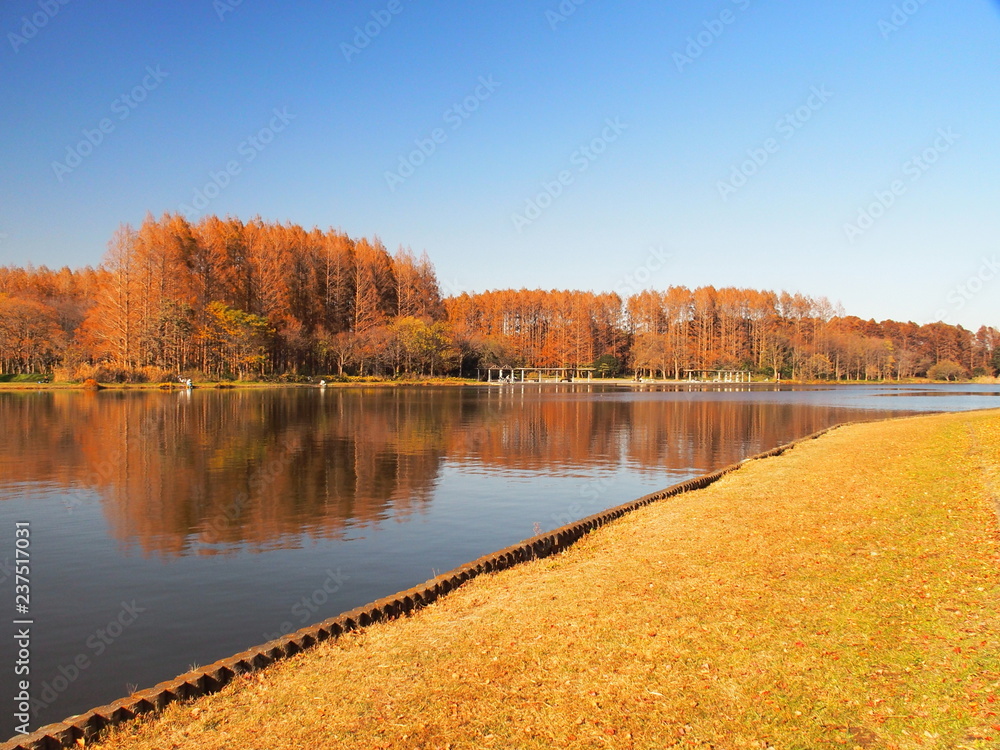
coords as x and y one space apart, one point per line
290 377
107 373
152 374
82 372
946 369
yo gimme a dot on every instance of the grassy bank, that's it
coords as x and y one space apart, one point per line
844 594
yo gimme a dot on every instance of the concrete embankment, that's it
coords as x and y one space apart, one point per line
842 593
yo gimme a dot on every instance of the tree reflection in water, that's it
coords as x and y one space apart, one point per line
213 472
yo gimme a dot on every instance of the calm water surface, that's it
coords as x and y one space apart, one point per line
174 529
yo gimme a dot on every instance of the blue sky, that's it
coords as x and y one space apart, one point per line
840 149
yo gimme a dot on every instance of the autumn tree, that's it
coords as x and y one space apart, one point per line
374 287
165 295
421 348
114 324
417 292
238 342
30 335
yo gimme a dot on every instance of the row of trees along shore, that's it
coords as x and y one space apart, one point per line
227 299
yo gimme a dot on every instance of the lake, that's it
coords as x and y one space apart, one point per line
170 529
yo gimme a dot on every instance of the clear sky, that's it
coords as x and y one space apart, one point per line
843 149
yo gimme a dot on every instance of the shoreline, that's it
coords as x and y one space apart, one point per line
470 383
410 606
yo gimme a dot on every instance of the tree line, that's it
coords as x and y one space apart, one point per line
223 298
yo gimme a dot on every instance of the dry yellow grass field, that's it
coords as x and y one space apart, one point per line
844 594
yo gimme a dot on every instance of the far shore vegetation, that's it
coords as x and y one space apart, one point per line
226 300
40 381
